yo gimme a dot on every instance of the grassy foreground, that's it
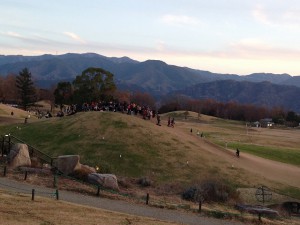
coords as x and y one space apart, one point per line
18 209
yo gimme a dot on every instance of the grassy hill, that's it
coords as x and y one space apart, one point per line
132 147
119 143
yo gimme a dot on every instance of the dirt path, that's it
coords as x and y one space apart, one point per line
268 169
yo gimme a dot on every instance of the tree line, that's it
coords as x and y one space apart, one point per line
97 84
231 110
92 85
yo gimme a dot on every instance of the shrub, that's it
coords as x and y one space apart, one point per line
210 191
145 182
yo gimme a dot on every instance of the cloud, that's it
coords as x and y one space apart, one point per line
74 37
160 46
251 43
281 17
13 34
32 39
260 15
253 48
179 20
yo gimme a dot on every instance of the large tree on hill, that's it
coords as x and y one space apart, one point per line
26 89
8 89
93 84
63 93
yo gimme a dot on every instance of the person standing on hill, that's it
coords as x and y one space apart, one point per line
237 152
158 120
172 122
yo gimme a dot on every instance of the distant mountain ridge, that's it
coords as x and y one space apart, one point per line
153 76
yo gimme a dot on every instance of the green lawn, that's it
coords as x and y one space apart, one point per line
285 155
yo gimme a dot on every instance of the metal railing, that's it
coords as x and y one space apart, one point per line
9 140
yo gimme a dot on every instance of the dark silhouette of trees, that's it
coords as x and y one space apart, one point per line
26 89
143 99
93 84
8 89
63 93
122 96
229 110
292 119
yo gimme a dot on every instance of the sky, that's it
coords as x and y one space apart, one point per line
222 36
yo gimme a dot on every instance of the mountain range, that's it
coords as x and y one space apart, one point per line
159 78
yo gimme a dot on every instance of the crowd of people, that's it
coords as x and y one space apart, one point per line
146 112
131 109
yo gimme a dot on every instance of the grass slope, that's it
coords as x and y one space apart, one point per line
117 143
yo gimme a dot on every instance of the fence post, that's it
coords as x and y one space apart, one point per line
147 199
98 191
200 206
4 171
57 195
3 140
55 180
32 195
25 175
9 143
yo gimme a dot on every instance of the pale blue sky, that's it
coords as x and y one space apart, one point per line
227 36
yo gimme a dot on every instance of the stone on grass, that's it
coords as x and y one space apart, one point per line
67 164
19 156
105 180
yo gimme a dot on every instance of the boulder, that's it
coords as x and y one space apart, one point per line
19 156
105 180
67 164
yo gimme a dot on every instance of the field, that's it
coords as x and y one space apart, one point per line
132 147
20 210
173 158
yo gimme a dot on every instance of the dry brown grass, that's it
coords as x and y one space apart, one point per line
19 209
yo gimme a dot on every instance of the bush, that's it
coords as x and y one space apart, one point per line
209 191
145 182
190 194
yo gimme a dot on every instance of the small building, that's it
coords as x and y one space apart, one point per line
267 122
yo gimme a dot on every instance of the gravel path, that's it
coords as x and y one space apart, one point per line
114 205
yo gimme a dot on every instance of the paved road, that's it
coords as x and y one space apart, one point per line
114 205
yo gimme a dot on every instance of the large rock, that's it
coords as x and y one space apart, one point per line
105 180
19 156
67 164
